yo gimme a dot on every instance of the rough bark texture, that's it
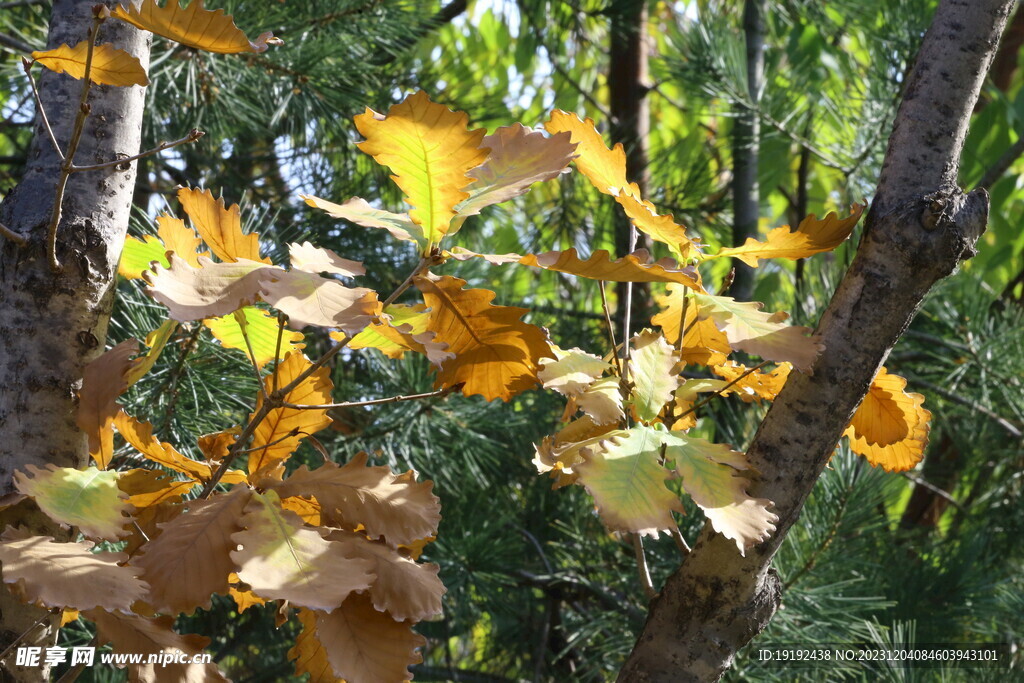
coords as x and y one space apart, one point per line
52 325
919 228
746 149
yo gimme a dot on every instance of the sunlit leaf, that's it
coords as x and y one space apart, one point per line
194 26
661 228
605 168
402 328
103 380
140 436
703 343
88 498
360 212
220 226
571 371
900 456
651 364
110 65
812 236
888 414
210 291
156 341
752 385
318 260
602 401
261 327
309 654
309 299
635 267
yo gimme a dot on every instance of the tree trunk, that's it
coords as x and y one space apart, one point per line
919 228
54 324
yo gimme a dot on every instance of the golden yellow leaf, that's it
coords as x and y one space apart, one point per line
150 488
402 328
180 239
103 380
812 236
902 455
605 168
110 66
194 26
156 341
140 436
220 227
288 426
240 593
888 413
662 228
307 510
635 267
560 453
262 329
430 150
756 385
703 343
496 354
67 616
309 653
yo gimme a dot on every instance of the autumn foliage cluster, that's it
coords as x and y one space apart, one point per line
336 546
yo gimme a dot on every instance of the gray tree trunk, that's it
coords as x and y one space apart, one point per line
921 225
52 325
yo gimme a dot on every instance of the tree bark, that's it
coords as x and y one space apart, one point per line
921 225
53 324
746 149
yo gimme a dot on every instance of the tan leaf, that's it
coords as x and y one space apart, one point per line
496 354
283 560
602 401
318 260
140 436
194 26
309 299
367 646
703 343
103 380
220 227
766 335
287 422
651 365
635 267
812 236
190 560
146 523
571 371
68 574
518 159
570 446
309 654
133 635
210 291
146 488
430 150
394 507
405 589
110 66
87 498
358 211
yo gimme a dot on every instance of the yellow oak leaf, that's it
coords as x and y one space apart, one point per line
430 150
710 474
571 371
88 498
605 168
281 559
519 158
628 483
156 341
402 328
220 227
109 66
180 239
651 364
812 236
309 654
394 507
496 354
172 235
888 414
194 26
662 228
103 380
280 433
635 267
754 385
68 575
307 510
262 329
140 436
900 456
703 342
358 211
364 644
240 593
149 488
567 448
763 334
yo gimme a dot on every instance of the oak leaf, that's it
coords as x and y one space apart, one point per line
602 401
262 329
156 341
651 364
358 211
762 334
496 354
309 654
171 235
628 483
395 507
140 436
402 328
635 267
68 574
430 150
103 380
605 168
194 26
519 158
131 634
209 291
220 226
87 498
888 414
109 66
812 236
752 385
662 228
280 433
240 593
367 646
703 343
571 371
319 260
900 456
281 559
569 446
190 559
309 299
148 488
710 474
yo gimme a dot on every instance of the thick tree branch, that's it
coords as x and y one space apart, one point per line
919 228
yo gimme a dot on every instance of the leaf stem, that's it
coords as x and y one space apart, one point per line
641 567
25 634
719 392
27 66
277 351
376 401
610 326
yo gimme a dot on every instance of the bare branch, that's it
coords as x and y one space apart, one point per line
12 236
193 135
375 401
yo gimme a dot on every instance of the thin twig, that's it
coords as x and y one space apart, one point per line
24 635
1008 426
76 136
996 170
27 65
73 673
277 351
193 135
641 567
14 43
610 326
12 236
934 489
376 401
677 536
294 432
719 392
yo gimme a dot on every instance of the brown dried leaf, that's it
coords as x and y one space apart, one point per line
103 380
